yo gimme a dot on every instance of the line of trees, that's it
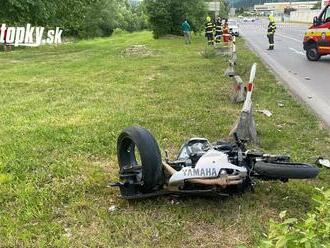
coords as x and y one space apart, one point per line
81 18
97 18
166 16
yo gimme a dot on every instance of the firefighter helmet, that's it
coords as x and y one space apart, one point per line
271 18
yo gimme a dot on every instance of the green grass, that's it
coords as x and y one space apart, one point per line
62 108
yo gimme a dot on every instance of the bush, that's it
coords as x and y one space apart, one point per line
209 52
119 31
104 16
166 16
312 232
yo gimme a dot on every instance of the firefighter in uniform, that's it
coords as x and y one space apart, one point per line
209 29
271 32
218 30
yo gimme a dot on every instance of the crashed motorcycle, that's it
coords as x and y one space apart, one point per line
201 168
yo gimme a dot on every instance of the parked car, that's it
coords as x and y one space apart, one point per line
233 27
249 19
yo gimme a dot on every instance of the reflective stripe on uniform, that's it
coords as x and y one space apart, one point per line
271 28
209 27
324 47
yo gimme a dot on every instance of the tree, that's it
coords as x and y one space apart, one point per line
166 16
224 8
82 18
137 18
15 12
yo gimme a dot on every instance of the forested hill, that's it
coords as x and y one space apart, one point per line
251 3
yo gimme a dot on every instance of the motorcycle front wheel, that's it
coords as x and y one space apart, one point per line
285 170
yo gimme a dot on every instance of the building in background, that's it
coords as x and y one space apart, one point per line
279 8
214 7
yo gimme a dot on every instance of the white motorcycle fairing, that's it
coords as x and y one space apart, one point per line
208 166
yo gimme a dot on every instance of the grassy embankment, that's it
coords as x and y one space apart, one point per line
62 108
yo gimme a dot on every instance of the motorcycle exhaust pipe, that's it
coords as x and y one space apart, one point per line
220 181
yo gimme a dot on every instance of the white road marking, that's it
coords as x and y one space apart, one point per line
304 91
296 51
287 37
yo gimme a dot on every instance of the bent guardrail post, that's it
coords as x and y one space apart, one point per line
245 126
230 71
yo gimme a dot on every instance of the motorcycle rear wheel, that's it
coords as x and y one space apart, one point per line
139 161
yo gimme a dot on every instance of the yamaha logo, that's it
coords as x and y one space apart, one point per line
207 172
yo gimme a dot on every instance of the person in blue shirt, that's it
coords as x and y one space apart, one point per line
186 32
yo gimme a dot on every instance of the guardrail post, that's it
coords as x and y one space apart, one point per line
233 52
245 126
239 89
230 71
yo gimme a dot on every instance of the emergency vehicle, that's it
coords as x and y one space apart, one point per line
317 38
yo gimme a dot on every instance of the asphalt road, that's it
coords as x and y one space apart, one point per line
310 81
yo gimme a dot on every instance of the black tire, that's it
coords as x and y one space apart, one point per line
282 170
312 54
150 158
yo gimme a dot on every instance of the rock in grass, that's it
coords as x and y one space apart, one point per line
112 208
136 51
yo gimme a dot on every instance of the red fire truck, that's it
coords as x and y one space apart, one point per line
317 38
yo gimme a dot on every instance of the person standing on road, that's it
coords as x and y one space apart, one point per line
186 32
271 32
209 31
